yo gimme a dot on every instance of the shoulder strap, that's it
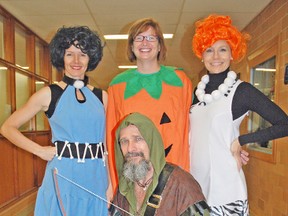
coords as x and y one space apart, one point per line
56 92
200 208
98 93
155 199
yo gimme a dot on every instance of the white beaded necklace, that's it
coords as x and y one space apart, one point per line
218 93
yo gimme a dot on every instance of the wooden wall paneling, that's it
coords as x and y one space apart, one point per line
8 191
23 207
30 51
25 170
21 172
42 138
267 182
9 37
44 64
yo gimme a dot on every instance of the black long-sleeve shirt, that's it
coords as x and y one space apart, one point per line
249 98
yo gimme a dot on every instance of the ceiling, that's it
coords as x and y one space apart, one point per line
44 17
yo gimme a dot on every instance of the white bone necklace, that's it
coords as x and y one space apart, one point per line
223 89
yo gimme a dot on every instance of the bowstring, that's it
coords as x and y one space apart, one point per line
88 191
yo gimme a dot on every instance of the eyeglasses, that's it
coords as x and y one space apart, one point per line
150 38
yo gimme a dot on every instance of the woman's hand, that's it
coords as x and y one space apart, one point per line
244 157
46 152
240 155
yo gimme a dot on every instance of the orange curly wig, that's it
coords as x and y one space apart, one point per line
219 27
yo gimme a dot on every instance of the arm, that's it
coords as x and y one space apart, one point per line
111 122
10 129
200 208
188 195
188 102
185 101
105 99
248 98
109 191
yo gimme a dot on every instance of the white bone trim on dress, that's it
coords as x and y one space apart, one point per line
60 156
91 153
56 145
102 152
84 154
97 150
70 152
77 150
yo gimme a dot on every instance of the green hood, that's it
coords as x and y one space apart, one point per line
157 154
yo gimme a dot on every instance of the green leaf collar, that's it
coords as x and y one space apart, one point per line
152 83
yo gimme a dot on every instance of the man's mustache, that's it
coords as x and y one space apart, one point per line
134 154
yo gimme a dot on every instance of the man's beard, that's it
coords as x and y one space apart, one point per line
135 171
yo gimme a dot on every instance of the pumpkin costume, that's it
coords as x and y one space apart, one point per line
165 97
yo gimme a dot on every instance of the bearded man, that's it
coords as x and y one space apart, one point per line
148 185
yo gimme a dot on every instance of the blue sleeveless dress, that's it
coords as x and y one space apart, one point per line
75 122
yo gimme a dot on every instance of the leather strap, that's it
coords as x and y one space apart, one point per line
155 199
199 208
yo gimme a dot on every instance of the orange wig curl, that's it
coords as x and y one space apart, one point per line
218 27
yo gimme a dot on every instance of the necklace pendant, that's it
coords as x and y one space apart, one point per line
78 84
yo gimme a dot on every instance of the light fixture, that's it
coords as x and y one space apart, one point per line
116 37
168 36
39 82
127 66
125 36
266 69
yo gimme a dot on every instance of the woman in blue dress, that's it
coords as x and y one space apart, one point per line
76 113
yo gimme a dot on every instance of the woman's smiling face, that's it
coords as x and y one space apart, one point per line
146 50
75 62
217 58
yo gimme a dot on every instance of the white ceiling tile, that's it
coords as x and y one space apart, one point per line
115 16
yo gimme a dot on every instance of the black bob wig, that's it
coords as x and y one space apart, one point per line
82 38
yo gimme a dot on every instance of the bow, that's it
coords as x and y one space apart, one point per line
56 173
